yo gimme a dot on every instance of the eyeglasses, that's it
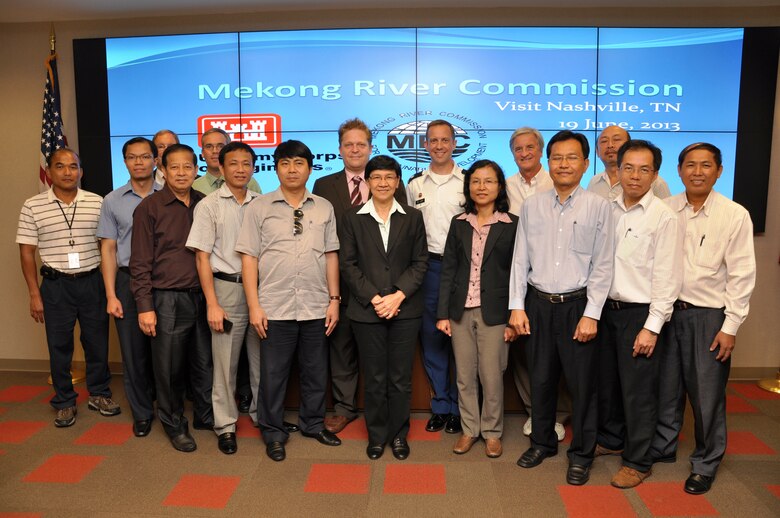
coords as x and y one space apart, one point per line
213 147
383 179
142 158
644 170
297 225
558 159
476 182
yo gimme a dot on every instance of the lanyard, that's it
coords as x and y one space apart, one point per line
69 223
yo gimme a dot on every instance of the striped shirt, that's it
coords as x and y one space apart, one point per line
44 223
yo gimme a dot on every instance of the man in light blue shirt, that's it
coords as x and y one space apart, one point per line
561 274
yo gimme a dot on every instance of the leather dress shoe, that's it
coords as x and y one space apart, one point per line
577 474
324 437
493 448
199 425
275 451
337 423
226 442
533 457
436 423
400 448
290 427
374 451
464 444
453 424
142 428
184 442
244 402
600 451
698 484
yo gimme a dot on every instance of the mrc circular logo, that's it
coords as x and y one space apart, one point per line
406 142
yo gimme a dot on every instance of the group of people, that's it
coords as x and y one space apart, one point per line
216 290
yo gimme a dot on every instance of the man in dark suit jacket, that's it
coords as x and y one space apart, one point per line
344 190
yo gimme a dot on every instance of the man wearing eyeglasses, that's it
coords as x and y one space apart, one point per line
115 231
212 141
162 139
527 146
344 190
171 307
646 282
607 183
438 193
561 273
289 244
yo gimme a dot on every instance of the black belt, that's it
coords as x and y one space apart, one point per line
435 257
195 289
617 304
124 269
229 277
48 272
559 298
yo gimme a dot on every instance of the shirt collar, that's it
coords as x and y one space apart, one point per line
497 217
705 208
456 172
52 197
368 208
572 198
278 195
645 202
225 192
128 188
351 176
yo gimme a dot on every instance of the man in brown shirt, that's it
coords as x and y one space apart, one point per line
171 308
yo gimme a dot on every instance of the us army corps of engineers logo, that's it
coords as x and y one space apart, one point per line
406 141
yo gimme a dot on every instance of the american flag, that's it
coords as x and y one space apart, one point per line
52 137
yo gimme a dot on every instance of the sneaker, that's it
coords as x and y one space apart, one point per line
527 427
104 405
65 417
560 431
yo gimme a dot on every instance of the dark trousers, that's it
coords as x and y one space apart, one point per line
64 302
138 377
386 358
688 366
628 387
437 347
285 340
552 349
183 336
344 367
243 385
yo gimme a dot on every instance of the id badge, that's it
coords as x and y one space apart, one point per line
73 260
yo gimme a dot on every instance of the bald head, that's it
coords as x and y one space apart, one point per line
609 141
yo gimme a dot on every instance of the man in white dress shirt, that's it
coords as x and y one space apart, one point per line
646 282
719 273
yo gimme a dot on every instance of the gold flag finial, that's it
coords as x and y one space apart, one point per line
52 39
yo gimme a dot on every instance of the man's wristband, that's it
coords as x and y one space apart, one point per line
335 297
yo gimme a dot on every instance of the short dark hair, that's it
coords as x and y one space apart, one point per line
139 140
175 148
382 163
354 124
637 145
564 135
50 160
293 149
236 146
439 122
701 145
502 200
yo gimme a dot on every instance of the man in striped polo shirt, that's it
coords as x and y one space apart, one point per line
61 224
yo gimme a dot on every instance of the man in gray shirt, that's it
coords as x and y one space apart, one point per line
289 245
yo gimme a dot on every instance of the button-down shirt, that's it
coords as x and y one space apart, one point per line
209 183
363 185
600 185
43 223
384 226
291 268
519 190
116 219
215 228
564 247
158 258
478 240
648 257
719 264
439 198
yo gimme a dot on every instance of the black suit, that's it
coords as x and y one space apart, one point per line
343 350
494 277
386 346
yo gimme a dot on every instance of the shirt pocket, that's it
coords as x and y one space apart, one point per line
633 249
710 252
582 238
317 237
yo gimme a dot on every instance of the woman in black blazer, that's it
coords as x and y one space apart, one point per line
383 257
474 302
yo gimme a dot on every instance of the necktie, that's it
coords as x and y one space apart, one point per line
219 182
356 196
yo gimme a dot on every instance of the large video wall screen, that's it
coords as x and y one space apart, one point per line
671 86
